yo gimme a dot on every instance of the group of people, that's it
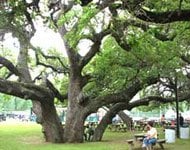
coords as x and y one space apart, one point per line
163 121
150 137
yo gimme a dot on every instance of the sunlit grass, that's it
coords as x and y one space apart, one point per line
27 136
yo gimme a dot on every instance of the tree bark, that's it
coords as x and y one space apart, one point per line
36 108
126 119
99 131
75 117
52 127
74 128
45 110
107 119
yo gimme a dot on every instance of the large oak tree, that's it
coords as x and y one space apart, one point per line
142 52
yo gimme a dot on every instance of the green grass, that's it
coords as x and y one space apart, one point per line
27 136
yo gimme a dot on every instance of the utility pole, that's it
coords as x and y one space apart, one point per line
177 106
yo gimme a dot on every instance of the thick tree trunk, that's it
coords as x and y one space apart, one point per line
74 128
76 113
126 119
107 119
48 118
52 127
45 112
99 131
36 108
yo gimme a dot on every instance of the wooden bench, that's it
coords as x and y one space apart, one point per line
131 143
160 142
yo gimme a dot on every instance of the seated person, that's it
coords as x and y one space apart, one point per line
151 136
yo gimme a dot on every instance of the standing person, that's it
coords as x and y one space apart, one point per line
86 132
163 121
91 130
181 120
151 136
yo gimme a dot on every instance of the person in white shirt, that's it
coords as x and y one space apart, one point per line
151 136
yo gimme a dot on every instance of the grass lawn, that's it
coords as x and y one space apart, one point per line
27 136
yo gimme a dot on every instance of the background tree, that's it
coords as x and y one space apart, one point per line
17 20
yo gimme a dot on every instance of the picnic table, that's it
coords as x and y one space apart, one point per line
118 127
140 125
139 138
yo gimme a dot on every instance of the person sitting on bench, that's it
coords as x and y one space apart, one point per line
150 137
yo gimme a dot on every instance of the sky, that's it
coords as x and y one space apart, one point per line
46 39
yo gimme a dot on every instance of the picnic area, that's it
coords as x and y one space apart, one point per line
27 136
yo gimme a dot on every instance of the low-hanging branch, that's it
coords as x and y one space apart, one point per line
146 101
159 99
126 94
26 91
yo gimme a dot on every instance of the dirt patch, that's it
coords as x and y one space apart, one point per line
34 140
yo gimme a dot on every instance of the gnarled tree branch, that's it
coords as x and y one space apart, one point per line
26 91
9 65
64 69
56 93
